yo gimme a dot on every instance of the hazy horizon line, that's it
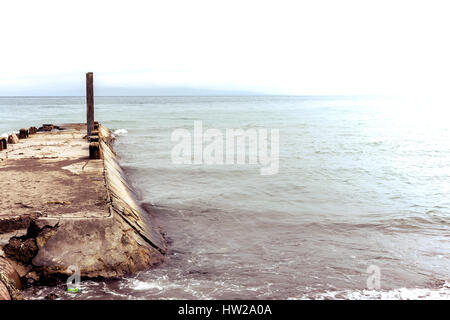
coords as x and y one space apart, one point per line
213 95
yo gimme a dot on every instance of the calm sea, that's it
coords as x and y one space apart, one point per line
362 182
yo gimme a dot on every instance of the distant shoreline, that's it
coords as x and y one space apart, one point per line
206 96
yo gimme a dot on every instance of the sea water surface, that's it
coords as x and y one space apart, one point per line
362 182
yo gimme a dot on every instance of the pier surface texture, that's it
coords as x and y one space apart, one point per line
59 208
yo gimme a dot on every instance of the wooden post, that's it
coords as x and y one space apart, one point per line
3 144
23 133
90 102
94 151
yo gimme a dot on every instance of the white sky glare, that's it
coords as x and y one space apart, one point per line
280 47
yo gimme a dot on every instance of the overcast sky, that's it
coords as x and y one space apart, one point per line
281 47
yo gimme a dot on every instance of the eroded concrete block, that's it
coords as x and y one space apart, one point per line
23 133
13 139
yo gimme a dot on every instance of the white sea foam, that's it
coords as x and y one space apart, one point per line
442 293
120 132
145 286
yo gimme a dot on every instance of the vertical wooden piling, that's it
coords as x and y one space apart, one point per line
94 151
23 133
90 102
3 144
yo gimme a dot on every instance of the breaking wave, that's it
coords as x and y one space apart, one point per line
120 132
440 293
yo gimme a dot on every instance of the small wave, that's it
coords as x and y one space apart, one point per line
442 293
146 286
120 132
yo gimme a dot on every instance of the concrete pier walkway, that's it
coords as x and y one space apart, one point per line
59 208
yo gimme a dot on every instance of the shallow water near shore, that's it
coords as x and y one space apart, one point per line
362 182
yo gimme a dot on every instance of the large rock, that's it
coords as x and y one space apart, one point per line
22 250
9 271
106 247
10 284
4 293
13 139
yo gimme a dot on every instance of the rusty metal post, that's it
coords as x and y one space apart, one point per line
90 102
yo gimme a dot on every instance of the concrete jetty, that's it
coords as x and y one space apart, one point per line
65 201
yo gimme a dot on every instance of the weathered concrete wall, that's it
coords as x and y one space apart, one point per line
122 196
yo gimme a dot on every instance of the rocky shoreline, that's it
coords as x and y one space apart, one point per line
66 204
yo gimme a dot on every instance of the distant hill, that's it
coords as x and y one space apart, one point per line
64 90
170 91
